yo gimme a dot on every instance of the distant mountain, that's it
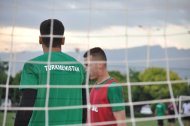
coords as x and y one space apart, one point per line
137 58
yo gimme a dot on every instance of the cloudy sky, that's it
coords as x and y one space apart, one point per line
111 24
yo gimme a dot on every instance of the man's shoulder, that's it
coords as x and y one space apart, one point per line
37 58
114 86
62 57
56 57
72 60
111 80
69 58
39 61
31 63
158 105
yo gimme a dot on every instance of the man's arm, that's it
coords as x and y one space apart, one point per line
84 112
155 112
120 116
115 95
27 100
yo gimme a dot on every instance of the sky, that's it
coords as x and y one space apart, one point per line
110 24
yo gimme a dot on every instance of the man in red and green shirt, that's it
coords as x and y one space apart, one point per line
106 94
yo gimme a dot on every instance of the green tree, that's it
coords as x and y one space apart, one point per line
3 66
157 91
134 75
3 77
15 94
137 91
118 76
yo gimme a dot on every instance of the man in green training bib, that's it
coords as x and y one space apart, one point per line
160 111
52 70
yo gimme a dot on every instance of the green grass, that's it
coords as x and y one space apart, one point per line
151 123
147 123
9 120
11 115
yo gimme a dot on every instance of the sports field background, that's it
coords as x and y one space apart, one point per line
11 116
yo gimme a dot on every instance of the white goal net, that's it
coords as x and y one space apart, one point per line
146 43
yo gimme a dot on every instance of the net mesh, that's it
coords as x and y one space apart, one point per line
111 25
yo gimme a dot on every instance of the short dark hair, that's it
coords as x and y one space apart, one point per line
58 29
96 52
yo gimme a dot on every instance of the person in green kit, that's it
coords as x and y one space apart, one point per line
160 111
53 68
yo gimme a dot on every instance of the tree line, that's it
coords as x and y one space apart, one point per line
14 93
152 83
139 92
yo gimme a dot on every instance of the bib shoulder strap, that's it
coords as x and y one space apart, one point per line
110 81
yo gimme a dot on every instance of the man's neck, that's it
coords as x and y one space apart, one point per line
52 50
103 77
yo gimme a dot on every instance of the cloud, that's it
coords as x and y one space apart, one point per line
115 37
82 15
105 21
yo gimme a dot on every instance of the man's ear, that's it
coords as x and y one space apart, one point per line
63 41
40 40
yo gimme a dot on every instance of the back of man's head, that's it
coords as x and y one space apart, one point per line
97 53
52 27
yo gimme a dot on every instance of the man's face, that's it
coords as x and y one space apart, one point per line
91 67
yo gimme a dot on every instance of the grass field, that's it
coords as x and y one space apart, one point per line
11 116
